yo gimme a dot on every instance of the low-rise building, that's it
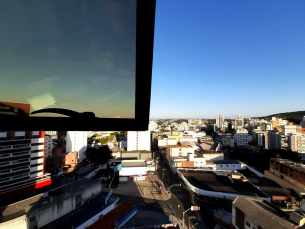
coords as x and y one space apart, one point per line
254 213
135 169
69 159
228 141
38 211
136 154
288 174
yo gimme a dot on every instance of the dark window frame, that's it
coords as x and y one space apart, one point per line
144 56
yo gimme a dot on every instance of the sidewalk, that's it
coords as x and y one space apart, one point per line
144 189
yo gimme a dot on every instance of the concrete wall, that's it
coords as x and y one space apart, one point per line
131 171
77 142
60 207
17 223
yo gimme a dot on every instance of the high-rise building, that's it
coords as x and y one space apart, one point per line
138 140
274 139
73 141
220 119
297 143
239 122
22 165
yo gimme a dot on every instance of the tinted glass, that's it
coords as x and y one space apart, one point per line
77 55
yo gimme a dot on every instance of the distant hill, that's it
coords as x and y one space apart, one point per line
295 116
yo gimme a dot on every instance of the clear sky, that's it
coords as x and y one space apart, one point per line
226 56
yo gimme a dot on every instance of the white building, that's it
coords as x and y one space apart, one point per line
297 143
241 137
239 122
77 142
135 169
220 120
289 129
138 140
153 125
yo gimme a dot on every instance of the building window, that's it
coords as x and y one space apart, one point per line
247 224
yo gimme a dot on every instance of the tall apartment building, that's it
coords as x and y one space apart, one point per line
73 141
22 165
274 139
297 143
220 120
138 140
241 137
239 122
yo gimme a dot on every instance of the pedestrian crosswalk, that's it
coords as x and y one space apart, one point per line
180 196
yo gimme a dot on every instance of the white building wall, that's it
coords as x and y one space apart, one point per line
138 140
77 142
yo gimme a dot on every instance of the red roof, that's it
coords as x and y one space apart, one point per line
112 217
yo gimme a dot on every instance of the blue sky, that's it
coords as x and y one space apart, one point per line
232 57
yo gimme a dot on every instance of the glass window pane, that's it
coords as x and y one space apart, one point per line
78 55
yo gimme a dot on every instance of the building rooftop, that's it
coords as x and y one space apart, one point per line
209 181
135 163
84 170
223 162
203 152
291 164
177 146
269 187
114 216
207 145
137 151
37 202
265 214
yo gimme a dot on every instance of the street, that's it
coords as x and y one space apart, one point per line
181 200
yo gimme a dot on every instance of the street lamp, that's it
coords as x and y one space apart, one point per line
193 208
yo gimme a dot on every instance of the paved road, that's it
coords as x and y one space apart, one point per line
183 199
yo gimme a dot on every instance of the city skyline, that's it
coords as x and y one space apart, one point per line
232 57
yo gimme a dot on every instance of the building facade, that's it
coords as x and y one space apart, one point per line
220 120
239 122
77 142
297 143
241 137
274 139
138 140
22 161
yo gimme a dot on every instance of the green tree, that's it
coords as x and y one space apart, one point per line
98 156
